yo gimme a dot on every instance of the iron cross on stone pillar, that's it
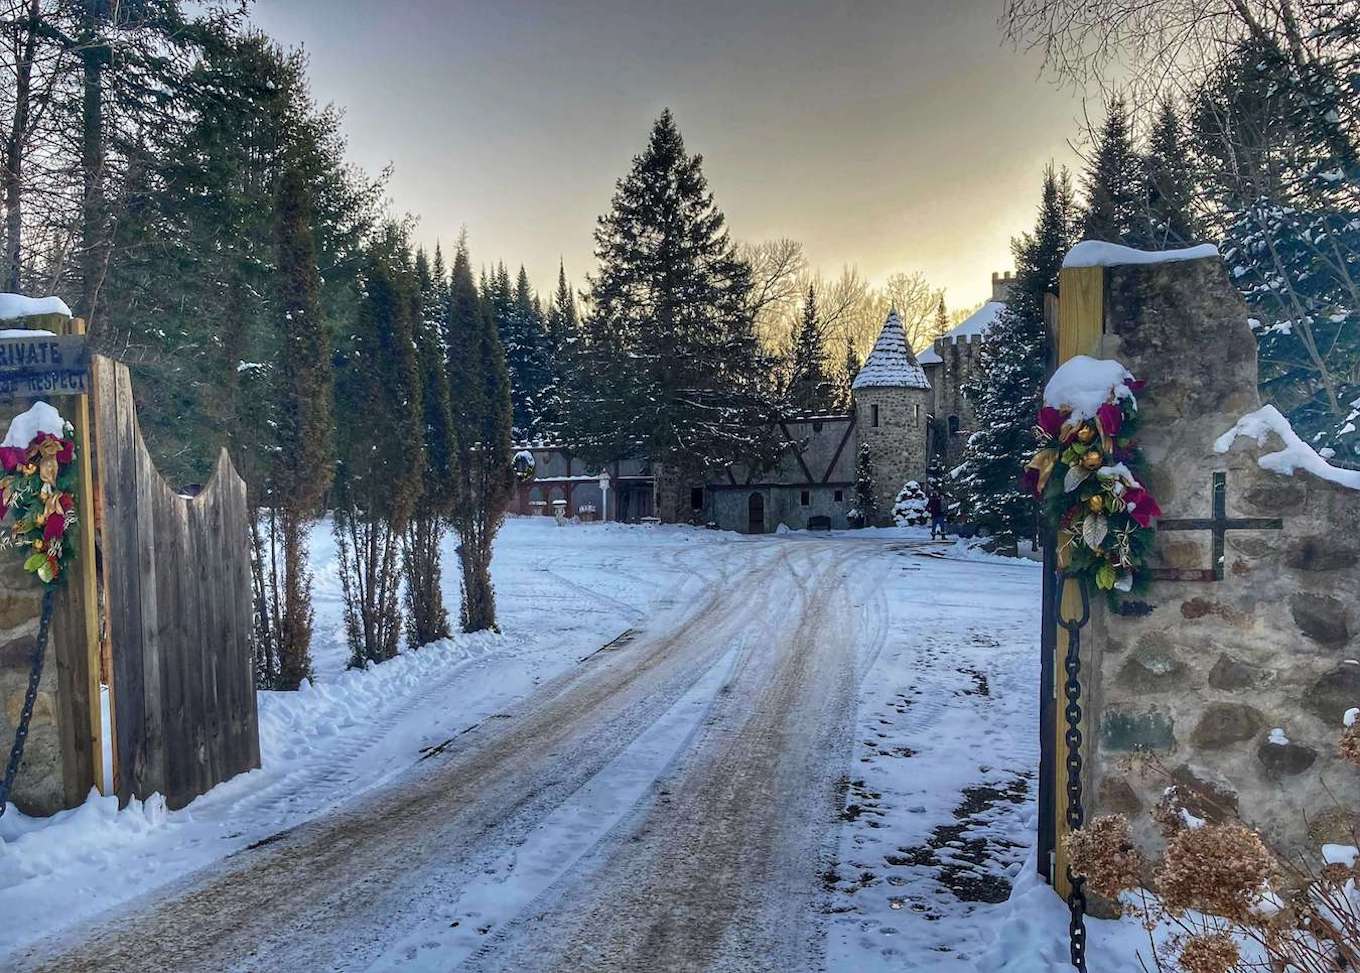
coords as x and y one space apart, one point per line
1220 523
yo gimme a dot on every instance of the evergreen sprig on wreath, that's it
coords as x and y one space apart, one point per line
38 489
1086 476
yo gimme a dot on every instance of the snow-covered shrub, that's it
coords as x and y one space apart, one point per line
909 510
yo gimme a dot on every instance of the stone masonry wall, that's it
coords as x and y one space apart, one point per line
898 442
38 789
957 361
1197 675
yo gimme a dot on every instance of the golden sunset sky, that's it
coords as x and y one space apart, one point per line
899 136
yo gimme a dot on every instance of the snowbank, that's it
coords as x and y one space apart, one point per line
18 306
1296 455
1097 253
1083 384
40 417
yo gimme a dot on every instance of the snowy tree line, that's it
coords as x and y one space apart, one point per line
1237 123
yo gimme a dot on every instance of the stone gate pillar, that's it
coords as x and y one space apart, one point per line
1230 676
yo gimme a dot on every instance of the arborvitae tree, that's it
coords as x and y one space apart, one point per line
850 367
484 479
673 367
864 513
426 619
380 432
1007 389
811 389
303 463
1113 181
1167 219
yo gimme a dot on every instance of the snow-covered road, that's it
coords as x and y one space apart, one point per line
788 753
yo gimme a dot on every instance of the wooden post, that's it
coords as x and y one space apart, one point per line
1081 322
75 619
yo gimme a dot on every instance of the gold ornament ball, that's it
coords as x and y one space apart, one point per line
37 545
1093 460
1085 434
1096 503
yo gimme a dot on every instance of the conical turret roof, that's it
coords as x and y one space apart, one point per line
891 364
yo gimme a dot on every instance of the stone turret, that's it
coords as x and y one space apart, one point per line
891 397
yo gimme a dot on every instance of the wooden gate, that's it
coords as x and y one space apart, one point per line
177 599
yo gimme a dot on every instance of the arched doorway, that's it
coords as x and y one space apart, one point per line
755 514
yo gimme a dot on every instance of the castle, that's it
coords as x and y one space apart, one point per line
908 409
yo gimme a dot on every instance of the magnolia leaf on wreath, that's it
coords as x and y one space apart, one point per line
35 561
1106 577
1094 530
1074 477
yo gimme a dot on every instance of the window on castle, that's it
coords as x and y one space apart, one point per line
805 498
953 425
917 413
696 498
873 415
816 427
840 496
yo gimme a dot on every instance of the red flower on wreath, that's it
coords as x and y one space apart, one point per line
12 456
54 526
1050 420
1110 417
1142 506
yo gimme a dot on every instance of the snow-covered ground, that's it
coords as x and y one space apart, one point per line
561 593
935 788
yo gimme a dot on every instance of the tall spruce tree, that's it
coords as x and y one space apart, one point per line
1007 389
673 367
480 393
1167 219
426 618
811 389
1113 181
561 330
941 321
380 427
303 463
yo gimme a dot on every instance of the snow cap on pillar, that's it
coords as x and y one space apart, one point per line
891 364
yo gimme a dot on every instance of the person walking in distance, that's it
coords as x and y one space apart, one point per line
935 507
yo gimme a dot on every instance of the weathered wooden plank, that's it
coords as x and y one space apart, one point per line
117 541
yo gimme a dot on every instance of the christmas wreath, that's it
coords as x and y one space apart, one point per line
37 491
1086 472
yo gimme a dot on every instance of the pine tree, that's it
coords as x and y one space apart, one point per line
1113 181
1167 219
850 367
301 472
941 321
865 510
811 390
482 416
426 619
673 367
380 426
1008 385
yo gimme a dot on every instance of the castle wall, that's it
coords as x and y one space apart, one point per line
958 358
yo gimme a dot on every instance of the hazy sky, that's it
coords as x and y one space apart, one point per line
894 136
